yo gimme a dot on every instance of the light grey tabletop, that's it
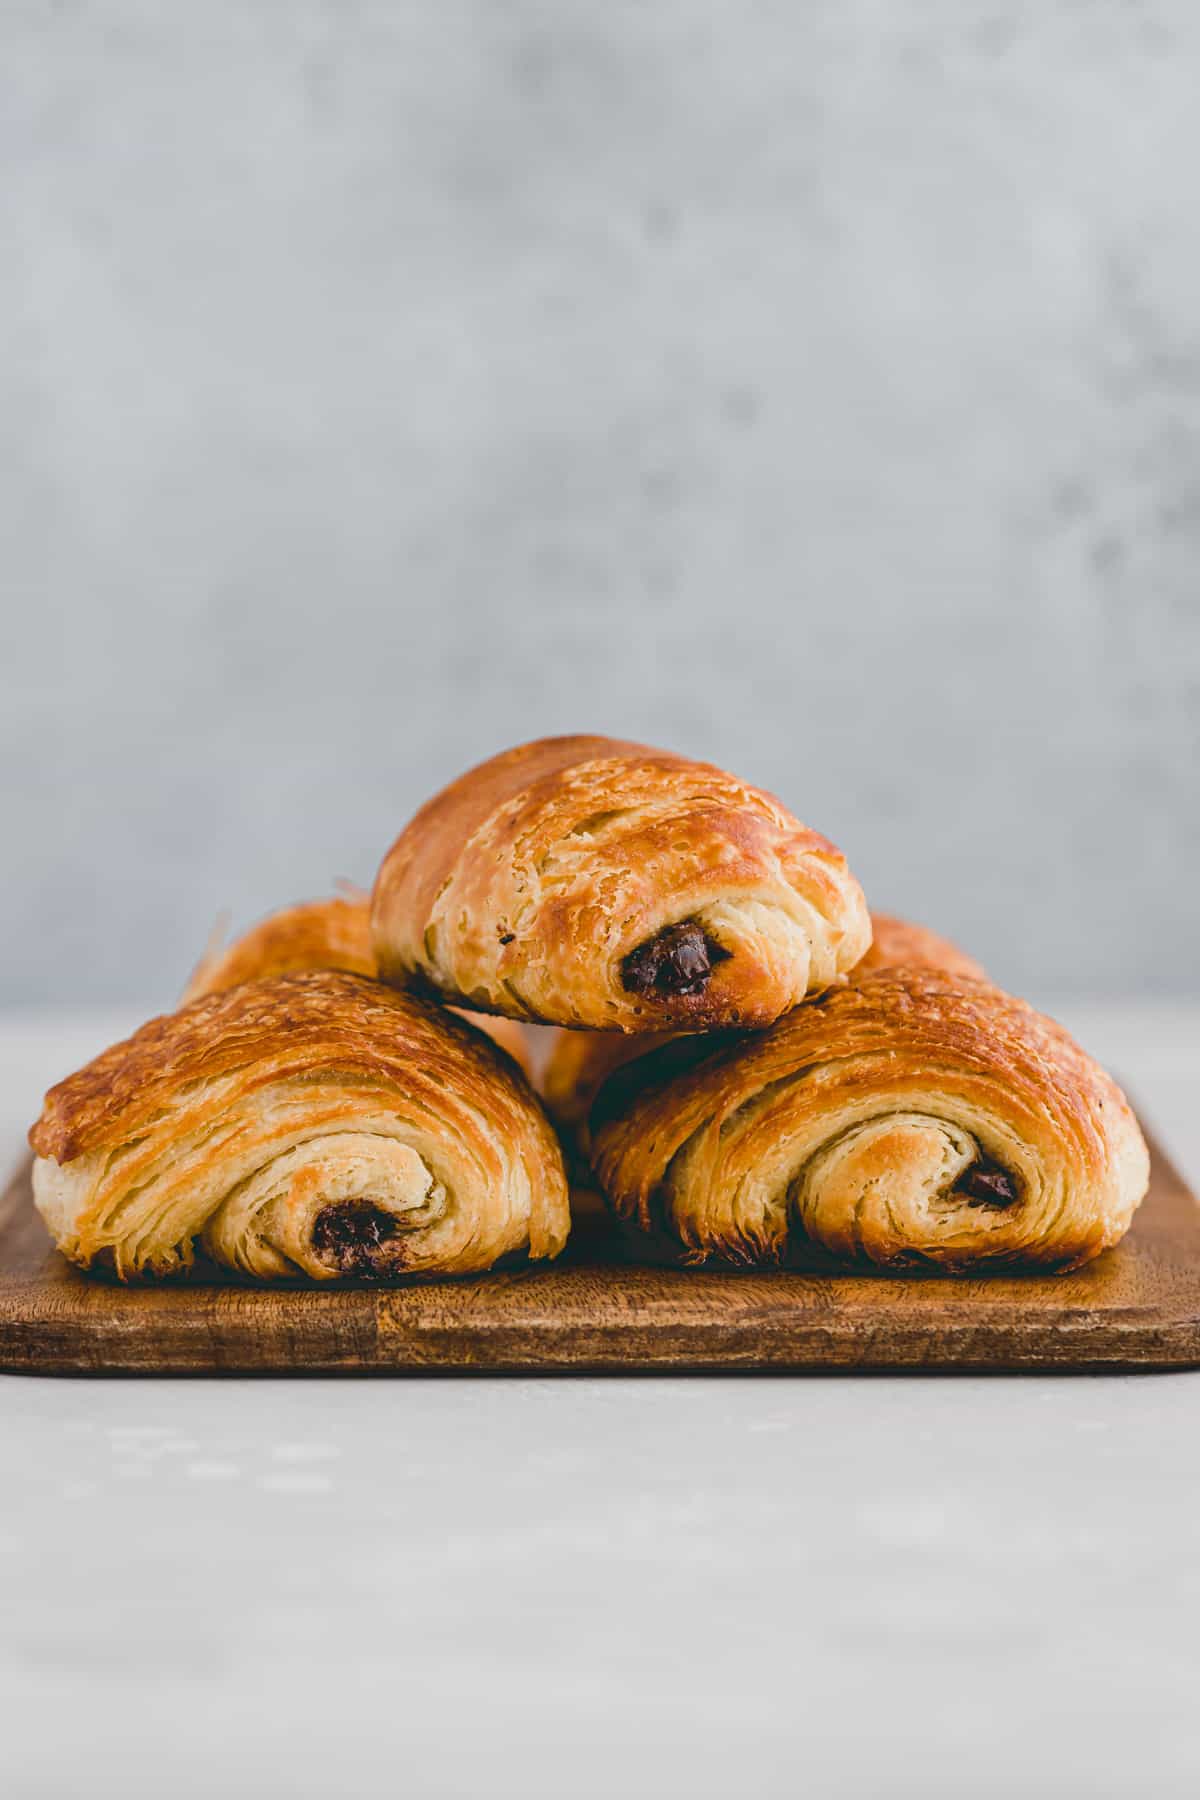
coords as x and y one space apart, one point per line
696 1586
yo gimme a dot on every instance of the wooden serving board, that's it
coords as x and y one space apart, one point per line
1138 1307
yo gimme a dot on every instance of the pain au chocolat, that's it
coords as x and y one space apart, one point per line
315 934
900 944
316 1125
909 1118
587 882
319 934
575 1064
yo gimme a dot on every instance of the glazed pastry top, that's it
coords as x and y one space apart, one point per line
320 934
316 934
912 1115
899 944
290 1122
597 883
577 1062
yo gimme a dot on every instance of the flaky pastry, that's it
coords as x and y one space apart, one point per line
576 1063
910 1117
588 882
319 934
899 944
316 1125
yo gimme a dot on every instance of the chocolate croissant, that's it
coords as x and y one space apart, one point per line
314 1125
318 934
909 1118
577 1063
899 944
583 881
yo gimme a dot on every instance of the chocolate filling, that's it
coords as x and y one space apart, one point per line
353 1232
678 960
985 1183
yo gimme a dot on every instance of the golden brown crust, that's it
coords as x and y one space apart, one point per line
577 1063
899 944
251 1112
319 934
910 1117
316 934
595 883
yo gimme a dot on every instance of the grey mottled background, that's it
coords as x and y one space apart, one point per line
815 388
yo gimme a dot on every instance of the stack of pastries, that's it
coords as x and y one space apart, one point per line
751 1067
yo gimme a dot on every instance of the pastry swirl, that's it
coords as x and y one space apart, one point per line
577 1063
319 934
588 882
912 1117
315 1125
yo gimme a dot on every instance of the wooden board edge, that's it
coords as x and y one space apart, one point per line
1136 1343
36 1339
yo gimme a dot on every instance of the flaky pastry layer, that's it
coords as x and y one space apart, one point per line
319 934
899 944
909 1117
317 1124
577 1063
593 883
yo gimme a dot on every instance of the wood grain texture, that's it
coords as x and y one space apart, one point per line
1137 1307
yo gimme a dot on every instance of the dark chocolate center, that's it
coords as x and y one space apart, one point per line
353 1232
678 960
985 1183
